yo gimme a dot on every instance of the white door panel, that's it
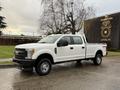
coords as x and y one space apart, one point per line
78 51
64 53
75 49
79 48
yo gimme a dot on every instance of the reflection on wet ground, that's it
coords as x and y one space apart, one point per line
67 76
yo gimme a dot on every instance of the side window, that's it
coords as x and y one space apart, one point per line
77 40
68 39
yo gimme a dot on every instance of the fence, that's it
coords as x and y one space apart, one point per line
14 40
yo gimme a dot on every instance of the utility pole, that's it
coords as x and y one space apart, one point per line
72 18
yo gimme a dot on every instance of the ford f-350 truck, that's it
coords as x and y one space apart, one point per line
55 49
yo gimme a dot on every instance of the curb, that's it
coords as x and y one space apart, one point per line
8 65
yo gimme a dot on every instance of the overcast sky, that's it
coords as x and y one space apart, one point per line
22 16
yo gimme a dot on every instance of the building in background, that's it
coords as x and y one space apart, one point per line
104 29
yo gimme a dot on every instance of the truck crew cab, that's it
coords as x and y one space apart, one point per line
55 49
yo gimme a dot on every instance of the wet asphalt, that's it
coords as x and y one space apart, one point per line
67 76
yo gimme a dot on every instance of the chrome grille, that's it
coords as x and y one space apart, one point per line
20 53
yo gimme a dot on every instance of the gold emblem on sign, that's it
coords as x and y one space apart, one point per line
106 27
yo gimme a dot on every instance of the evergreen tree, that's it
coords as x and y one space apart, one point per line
2 23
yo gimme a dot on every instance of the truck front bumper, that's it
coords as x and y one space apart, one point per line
25 62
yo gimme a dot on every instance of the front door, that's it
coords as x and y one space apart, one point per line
64 53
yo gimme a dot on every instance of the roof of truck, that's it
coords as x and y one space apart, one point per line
67 34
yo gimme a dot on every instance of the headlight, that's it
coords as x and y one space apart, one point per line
30 53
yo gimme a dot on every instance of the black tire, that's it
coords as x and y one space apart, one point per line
98 59
43 67
78 61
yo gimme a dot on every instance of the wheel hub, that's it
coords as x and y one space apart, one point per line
44 67
98 60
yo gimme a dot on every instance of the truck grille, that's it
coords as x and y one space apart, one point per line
20 53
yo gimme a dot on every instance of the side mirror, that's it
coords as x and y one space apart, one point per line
62 42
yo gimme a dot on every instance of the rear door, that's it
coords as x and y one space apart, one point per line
78 51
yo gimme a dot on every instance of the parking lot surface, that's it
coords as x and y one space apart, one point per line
67 76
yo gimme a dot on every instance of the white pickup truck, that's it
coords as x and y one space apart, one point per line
56 49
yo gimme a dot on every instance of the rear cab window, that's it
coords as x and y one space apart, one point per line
77 40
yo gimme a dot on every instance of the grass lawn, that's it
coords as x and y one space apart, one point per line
6 62
113 53
6 51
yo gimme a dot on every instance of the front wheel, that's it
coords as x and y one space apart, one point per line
98 59
43 67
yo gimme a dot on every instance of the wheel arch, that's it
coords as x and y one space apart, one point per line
44 55
99 52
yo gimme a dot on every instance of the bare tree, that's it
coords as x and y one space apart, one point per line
64 16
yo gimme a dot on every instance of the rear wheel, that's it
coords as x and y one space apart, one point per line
98 59
43 67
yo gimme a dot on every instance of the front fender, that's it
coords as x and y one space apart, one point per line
38 53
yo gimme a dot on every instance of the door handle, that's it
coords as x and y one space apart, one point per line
71 48
83 47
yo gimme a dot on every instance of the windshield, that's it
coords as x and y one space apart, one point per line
49 39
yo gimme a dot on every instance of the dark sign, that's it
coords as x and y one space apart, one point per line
104 29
